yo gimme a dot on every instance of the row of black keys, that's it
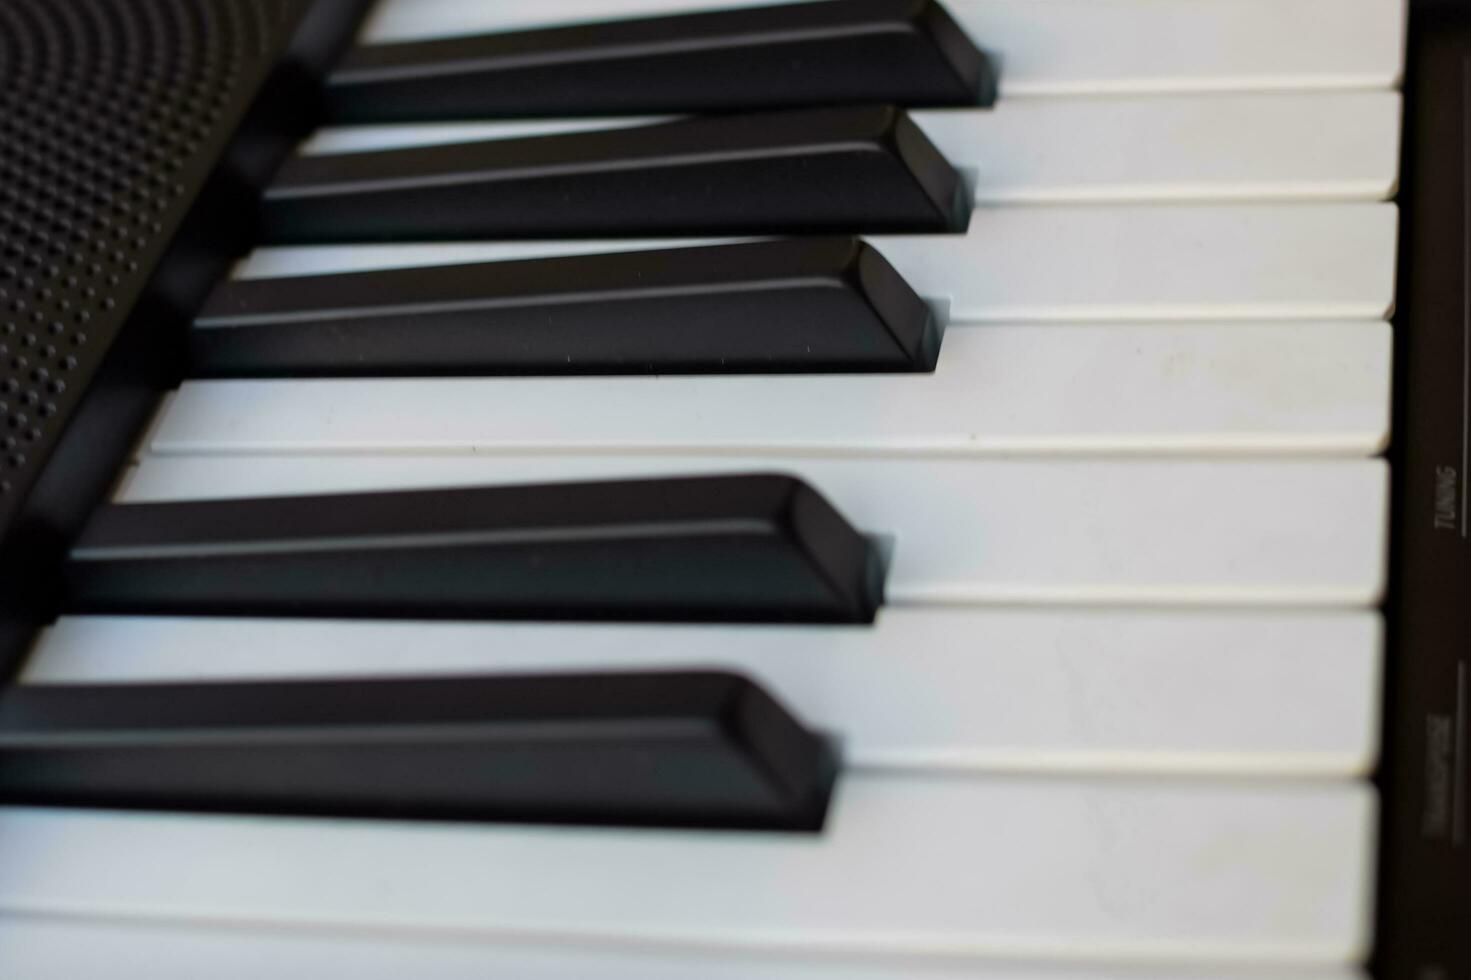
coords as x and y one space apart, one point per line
672 749
828 170
848 165
678 748
814 305
827 304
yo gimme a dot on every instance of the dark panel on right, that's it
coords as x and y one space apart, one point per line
1425 853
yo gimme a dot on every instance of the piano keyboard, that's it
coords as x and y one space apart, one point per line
1118 714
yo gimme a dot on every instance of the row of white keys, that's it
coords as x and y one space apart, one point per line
1222 147
1288 693
908 865
915 866
43 948
1124 531
1058 46
1302 387
925 870
1141 262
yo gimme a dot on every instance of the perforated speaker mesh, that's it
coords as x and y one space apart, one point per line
111 112
134 135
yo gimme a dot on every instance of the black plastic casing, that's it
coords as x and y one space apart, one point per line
1424 908
134 143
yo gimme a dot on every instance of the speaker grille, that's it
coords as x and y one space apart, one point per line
112 115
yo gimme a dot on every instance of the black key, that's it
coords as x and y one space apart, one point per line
703 548
792 305
682 749
844 170
906 52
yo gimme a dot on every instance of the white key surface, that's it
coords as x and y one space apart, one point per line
963 531
907 865
1305 387
927 869
1057 47
1224 147
1246 693
1159 262
1141 262
45 948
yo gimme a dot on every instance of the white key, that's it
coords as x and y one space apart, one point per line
1058 47
998 689
1226 147
1159 262
86 950
1303 387
964 531
1146 262
906 865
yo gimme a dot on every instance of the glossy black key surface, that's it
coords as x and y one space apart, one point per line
681 748
905 52
841 170
742 548
806 305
